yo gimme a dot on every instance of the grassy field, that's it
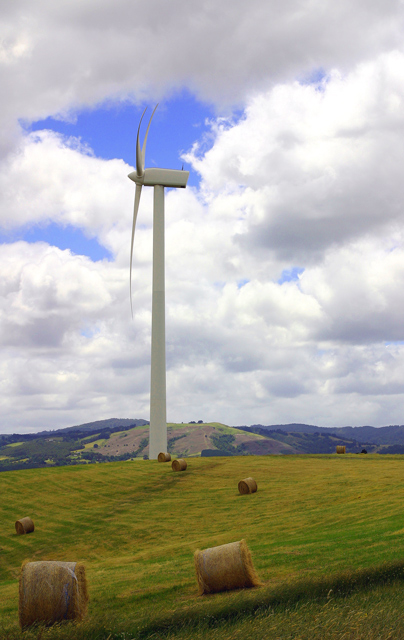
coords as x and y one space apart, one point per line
320 529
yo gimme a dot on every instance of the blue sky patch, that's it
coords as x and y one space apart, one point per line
90 332
290 275
316 76
110 130
63 237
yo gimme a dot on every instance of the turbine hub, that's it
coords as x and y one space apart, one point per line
134 176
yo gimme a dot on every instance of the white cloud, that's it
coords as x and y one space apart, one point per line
320 164
66 337
56 56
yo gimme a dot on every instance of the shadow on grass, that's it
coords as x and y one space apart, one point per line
261 600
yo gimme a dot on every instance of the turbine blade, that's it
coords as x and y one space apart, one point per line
147 133
139 162
135 210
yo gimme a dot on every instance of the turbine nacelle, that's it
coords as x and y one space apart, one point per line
165 177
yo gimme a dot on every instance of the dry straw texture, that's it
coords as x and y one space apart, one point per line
340 448
225 568
52 592
179 465
164 457
24 525
248 485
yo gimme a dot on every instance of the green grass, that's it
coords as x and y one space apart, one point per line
92 435
90 445
136 527
217 425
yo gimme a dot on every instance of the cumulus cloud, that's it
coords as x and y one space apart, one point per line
65 341
311 166
57 56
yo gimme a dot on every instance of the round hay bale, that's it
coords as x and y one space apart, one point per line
164 457
225 568
179 465
340 448
52 591
24 525
248 485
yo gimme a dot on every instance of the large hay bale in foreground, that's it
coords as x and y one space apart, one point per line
24 525
248 485
164 457
224 568
340 448
179 465
52 591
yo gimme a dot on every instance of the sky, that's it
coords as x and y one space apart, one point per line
284 254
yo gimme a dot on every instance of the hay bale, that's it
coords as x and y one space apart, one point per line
179 465
24 525
52 591
164 457
224 568
340 448
248 485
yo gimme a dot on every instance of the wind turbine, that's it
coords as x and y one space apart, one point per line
157 178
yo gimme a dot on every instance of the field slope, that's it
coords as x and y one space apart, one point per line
136 525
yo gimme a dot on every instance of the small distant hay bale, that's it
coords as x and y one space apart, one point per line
248 485
24 525
52 591
164 457
340 448
179 465
224 568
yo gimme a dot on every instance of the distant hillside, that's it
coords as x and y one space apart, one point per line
314 442
391 435
98 425
78 445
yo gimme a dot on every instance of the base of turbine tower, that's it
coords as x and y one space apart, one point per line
157 439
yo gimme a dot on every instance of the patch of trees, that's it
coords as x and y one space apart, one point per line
6 465
92 456
171 441
103 434
142 445
41 449
224 442
35 453
16 437
394 448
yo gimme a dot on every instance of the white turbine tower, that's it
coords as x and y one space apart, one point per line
157 178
